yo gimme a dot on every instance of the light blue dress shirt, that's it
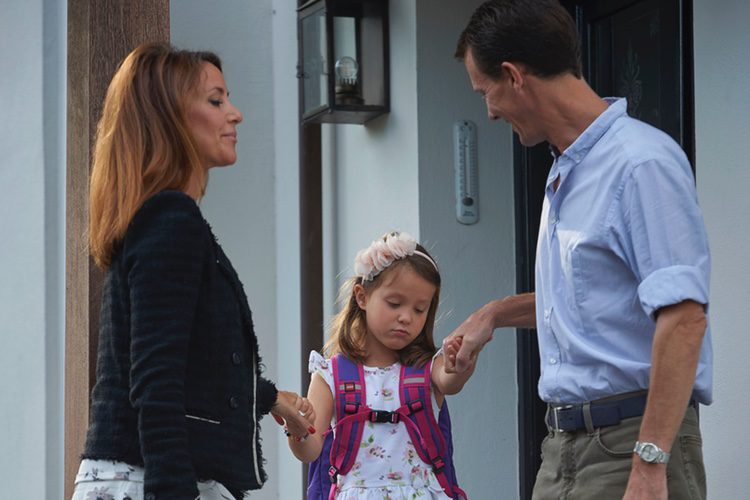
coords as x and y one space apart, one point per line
620 238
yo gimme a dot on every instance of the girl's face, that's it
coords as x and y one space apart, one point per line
213 119
395 312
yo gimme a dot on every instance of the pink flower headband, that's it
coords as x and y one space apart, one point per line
382 253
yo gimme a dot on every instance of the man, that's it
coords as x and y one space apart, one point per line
622 269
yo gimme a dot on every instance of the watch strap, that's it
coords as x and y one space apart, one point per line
651 453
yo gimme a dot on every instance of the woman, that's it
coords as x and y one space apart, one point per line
179 391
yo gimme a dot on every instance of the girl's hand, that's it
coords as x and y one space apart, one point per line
446 377
451 347
295 413
319 394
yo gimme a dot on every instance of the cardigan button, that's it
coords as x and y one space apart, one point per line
234 403
149 496
236 358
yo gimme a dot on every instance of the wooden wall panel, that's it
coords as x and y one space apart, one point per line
100 34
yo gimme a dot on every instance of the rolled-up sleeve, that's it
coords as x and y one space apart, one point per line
668 243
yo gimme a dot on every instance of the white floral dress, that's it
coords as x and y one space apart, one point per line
113 480
387 465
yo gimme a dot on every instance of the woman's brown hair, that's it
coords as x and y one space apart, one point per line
349 326
143 143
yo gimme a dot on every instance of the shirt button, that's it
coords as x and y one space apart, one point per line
236 358
552 361
234 403
546 314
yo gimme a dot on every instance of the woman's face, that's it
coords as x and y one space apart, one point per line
213 119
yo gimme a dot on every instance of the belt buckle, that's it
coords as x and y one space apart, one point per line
556 419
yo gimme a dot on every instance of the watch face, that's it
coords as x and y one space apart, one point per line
649 452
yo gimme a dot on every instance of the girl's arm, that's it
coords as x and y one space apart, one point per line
444 376
319 395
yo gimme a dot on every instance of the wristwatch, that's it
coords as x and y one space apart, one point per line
651 453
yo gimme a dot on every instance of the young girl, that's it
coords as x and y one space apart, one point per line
386 323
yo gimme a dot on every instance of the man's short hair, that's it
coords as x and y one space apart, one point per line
540 34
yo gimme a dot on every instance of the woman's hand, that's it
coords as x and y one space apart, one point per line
295 413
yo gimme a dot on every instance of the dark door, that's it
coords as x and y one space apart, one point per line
641 50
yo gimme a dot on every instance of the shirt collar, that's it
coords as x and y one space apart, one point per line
618 106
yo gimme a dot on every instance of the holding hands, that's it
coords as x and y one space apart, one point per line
451 348
517 311
295 413
446 377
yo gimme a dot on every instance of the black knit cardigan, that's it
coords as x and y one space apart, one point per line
178 381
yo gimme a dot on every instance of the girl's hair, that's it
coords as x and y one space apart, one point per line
143 141
349 326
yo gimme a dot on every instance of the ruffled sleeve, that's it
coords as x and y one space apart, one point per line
318 364
434 357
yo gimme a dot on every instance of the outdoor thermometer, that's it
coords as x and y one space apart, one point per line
466 170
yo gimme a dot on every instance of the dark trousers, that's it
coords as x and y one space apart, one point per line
581 465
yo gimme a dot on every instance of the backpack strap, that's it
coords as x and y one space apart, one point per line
351 413
444 422
415 390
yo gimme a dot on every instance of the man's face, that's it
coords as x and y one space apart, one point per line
504 99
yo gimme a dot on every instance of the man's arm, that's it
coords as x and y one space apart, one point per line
677 344
517 311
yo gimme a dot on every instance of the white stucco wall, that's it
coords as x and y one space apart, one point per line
477 261
240 199
722 90
32 221
375 166
286 161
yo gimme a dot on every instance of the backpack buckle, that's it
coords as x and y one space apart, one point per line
438 465
415 406
333 473
384 417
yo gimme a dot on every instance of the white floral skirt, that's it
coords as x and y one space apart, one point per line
112 480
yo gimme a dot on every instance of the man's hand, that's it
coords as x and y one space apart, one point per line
516 311
451 346
647 481
295 413
471 336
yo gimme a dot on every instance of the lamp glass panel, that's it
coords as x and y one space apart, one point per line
344 37
314 61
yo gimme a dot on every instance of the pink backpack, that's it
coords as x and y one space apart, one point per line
431 436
